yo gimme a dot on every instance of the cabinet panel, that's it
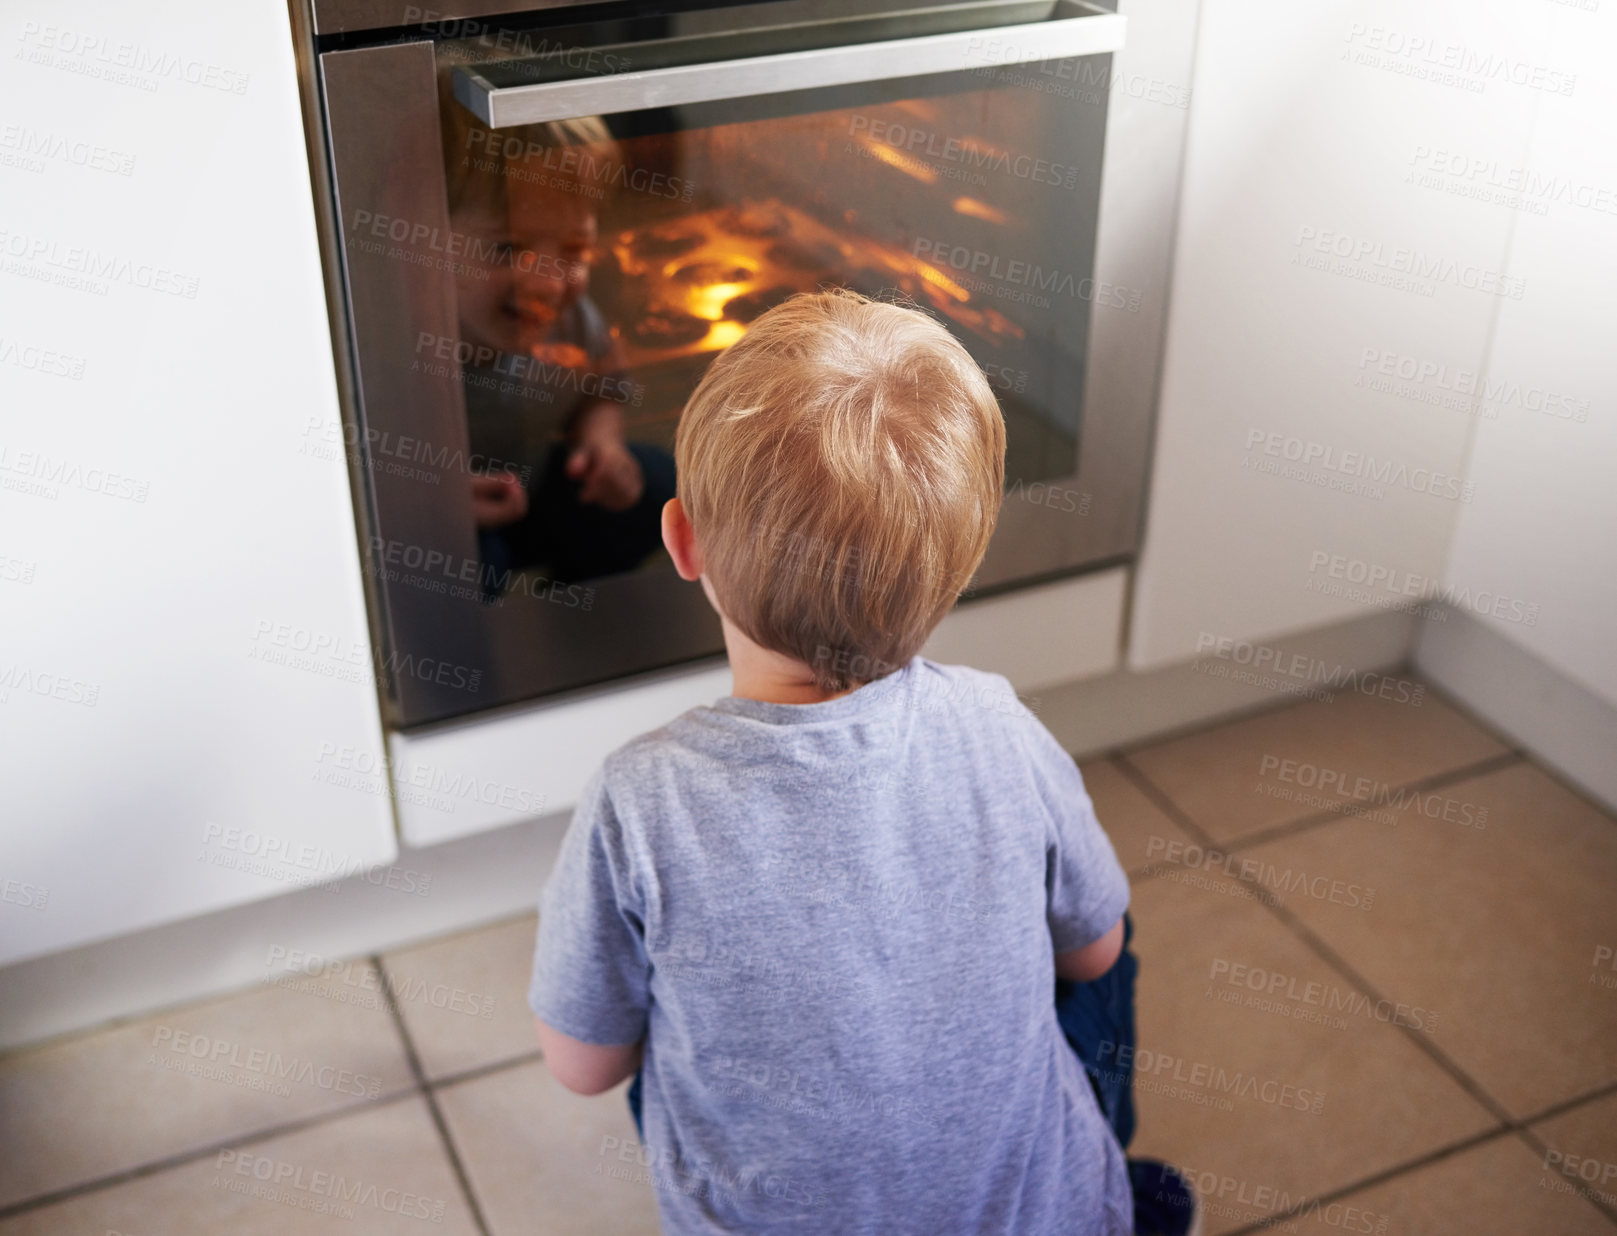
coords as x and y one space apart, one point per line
1535 556
185 649
1335 283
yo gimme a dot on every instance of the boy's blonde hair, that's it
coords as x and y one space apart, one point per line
843 467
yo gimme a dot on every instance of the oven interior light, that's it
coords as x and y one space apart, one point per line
923 108
709 301
978 209
942 282
722 335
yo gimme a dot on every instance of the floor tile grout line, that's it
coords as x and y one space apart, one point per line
185 1157
389 996
1511 1127
1378 1178
1330 956
1468 712
1525 1130
182 1158
1565 1105
1258 708
1435 781
1586 1191
1382 1177
1517 1125
120 1021
1133 774
1421 1039
1189 729
1506 740
479 1071
1438 781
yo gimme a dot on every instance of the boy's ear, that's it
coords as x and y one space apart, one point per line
679 538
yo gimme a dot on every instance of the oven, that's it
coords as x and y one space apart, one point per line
543 222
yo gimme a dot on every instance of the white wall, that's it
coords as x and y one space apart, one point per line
149 695
1535 555
1312 126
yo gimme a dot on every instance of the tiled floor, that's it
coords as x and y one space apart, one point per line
1376 995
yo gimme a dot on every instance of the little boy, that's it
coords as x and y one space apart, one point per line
830 918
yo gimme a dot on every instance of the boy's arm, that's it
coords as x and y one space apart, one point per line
1086 888
591 976
1085 965
608 474
588 1068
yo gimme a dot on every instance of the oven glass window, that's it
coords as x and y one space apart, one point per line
601 262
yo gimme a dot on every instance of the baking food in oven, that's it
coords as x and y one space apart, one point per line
665 241
754 304
805 255
756 219
703 274
666 328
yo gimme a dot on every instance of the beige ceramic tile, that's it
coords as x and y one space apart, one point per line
1495 1189
1245 776
546 1162
1499 929
1262 1071
113 1099
464 999
1139 831
1580 1151
382 1170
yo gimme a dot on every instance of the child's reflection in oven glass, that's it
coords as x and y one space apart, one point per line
558 484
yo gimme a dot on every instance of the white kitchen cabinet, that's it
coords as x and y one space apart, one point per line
1336 280
184 643
1532 573
1535 555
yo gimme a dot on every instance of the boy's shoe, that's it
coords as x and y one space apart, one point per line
1164 1202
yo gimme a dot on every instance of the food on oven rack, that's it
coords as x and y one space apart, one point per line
701 274
756 219
666 328
692 285
667 241
755 304
805 255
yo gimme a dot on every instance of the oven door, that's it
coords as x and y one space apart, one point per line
547 232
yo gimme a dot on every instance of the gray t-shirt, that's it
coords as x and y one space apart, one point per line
834 923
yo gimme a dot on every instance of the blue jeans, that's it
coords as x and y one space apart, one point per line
1098 1021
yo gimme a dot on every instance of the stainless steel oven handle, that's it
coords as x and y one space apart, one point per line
1086 32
